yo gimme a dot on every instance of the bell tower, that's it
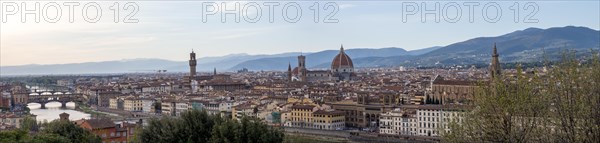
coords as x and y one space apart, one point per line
302 67
495 70
192 64
289 72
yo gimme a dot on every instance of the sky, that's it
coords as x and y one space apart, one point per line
171 29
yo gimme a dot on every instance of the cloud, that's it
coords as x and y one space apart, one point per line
241 33
346 6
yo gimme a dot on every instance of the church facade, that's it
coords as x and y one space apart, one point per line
342 69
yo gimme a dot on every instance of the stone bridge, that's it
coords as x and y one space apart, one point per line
63 97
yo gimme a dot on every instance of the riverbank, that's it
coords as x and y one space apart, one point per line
94 113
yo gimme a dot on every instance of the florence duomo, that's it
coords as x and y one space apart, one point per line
342 69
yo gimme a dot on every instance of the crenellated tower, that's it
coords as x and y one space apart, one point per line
192 65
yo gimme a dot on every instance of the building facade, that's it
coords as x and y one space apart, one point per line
301 116
329 120
133 104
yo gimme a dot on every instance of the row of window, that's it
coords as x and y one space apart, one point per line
301 114
395 123
323 121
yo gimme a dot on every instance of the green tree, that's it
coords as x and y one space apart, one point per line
14 136
70 131
560 106
198 126
29 124
50 138
26 109
192 126
576 99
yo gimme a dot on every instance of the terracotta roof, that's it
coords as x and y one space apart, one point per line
341 60
8 115
244 106
441 81
323 112
100 123
309 107
295 71
453 82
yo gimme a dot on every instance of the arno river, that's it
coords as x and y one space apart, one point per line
53 110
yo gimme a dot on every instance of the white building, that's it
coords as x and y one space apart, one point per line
434 118
180 108
398 122
420 120
148 105
390 122
408 125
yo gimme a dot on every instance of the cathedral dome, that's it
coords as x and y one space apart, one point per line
342 60
295 71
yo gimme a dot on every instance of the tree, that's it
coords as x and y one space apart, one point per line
198 126
14 136
54 132
576 100
561 106
29 124
193 126
505 111
50 138
70 131
26 109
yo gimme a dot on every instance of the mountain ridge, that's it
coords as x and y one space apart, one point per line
518 46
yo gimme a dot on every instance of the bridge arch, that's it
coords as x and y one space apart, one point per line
62 98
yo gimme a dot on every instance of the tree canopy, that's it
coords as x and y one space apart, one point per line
54 132
198 126
561 106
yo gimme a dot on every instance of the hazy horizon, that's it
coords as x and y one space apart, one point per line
170 30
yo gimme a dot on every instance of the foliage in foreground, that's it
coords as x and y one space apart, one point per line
53 132
562 106
198 126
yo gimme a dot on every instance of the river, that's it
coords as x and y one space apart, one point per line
53 110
